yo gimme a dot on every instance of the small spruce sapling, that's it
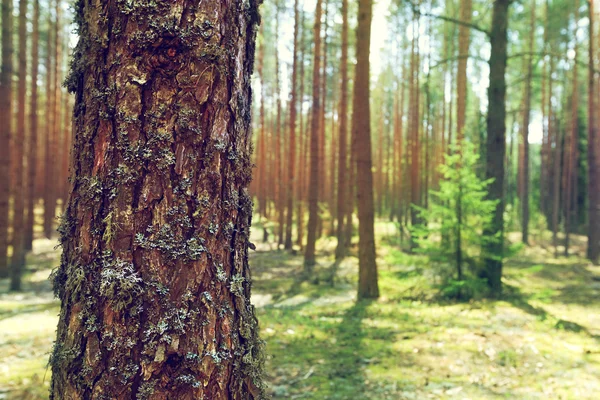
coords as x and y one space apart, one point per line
457 213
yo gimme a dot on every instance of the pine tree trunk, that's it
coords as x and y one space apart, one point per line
33 130
18 238
464 32
496 141
292 138
6 71
593 251
571 147
51 89
280 187
154 278
525 130
415 170
262 156
314 178
361 139
300 191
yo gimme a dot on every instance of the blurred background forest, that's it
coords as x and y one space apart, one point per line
457 201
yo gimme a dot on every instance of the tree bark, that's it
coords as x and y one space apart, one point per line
18 237
292 138
496 142
340 251
415 170
525 132
6 72
50 97
314 178
154 278
33 129
593 250
361 138
464 32
571 147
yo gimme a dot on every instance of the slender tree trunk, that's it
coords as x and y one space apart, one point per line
415 172
280 186
33 129
262 155
593 250
464 32
343 184
154 279
323 187
48 177
292 139
314 178
496 142
361 140
571 167
53 122
6 71
545 167
300 190
556 135
18 237
525 130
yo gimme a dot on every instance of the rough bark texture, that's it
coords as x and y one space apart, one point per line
5 133
593 251
361 140
18 257
33 129
340 250
314 178
154 278
496 141
292 138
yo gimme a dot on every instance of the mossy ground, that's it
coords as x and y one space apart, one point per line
541 341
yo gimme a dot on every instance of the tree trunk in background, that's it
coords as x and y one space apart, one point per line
314 178
154 278
340 250
593 250
48 217
279 189
18 237
525 131
33 130
322 124
496 142
262 156
292 139
545 163
51 130
555 134
415 171
6 72
300 190
361 139
464 32
571 146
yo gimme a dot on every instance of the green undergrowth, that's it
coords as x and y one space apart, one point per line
540 341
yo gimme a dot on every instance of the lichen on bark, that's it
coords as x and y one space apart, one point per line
154 278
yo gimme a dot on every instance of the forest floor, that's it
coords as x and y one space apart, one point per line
541 341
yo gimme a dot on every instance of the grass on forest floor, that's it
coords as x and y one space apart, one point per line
542 341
